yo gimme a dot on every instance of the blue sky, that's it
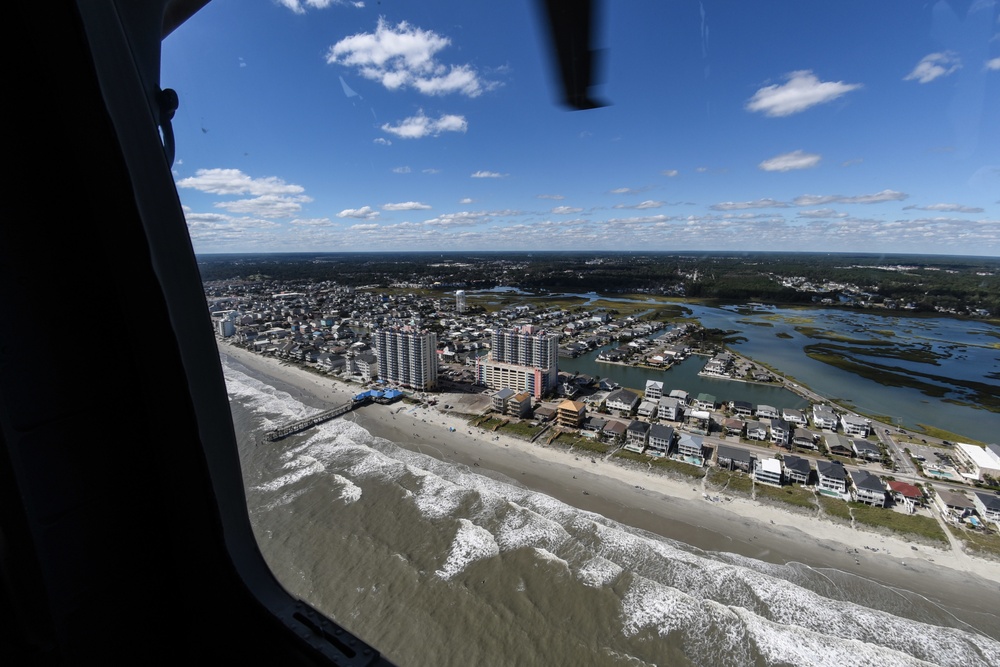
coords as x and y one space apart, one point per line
317 125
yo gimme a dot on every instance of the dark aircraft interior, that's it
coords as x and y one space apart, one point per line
124 535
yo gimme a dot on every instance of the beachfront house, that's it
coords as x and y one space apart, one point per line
832 476
958 504
499 399
767 471
856 426
519 405
691 447
614 431
824 417
661 438
636 436
987 507
571 413
867 488
797 469
734 458
907 495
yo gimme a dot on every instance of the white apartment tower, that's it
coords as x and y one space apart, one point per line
460 301
407 357
522 359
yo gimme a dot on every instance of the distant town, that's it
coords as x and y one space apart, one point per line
498 362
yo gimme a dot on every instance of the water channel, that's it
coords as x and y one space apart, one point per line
953 350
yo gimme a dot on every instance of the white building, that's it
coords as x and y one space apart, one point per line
767 471
523 359
982 461
460 301
407 357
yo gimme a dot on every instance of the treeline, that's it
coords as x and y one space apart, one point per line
927 282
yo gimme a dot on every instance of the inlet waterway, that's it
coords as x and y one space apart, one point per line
945 354
684 376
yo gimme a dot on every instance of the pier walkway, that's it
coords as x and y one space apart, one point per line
359 400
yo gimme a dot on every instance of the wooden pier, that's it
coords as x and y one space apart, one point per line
325 416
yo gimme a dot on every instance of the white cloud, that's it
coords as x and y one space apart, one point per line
802 91
311 222
406 206
487 174
649 203
430 170
852 162
235 182
405 56
821 213
790 161
565 210
952 208
382 141
993 64
465 200
401 170
461 219
701 170
266 206
625 191
670 172
934 66
556 197
419 126
363 213
299 6
739 205
877 198
364 227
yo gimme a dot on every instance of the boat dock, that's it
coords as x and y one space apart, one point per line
364 398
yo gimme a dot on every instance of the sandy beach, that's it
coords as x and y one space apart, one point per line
673 508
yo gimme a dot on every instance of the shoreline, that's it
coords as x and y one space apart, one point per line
668 507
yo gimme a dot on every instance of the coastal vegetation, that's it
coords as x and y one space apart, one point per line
975 393
661 463
917 525
797 496
978 543
834 508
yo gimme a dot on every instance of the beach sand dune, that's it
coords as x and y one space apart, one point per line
668 506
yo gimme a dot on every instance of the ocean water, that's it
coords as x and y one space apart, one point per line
435 564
